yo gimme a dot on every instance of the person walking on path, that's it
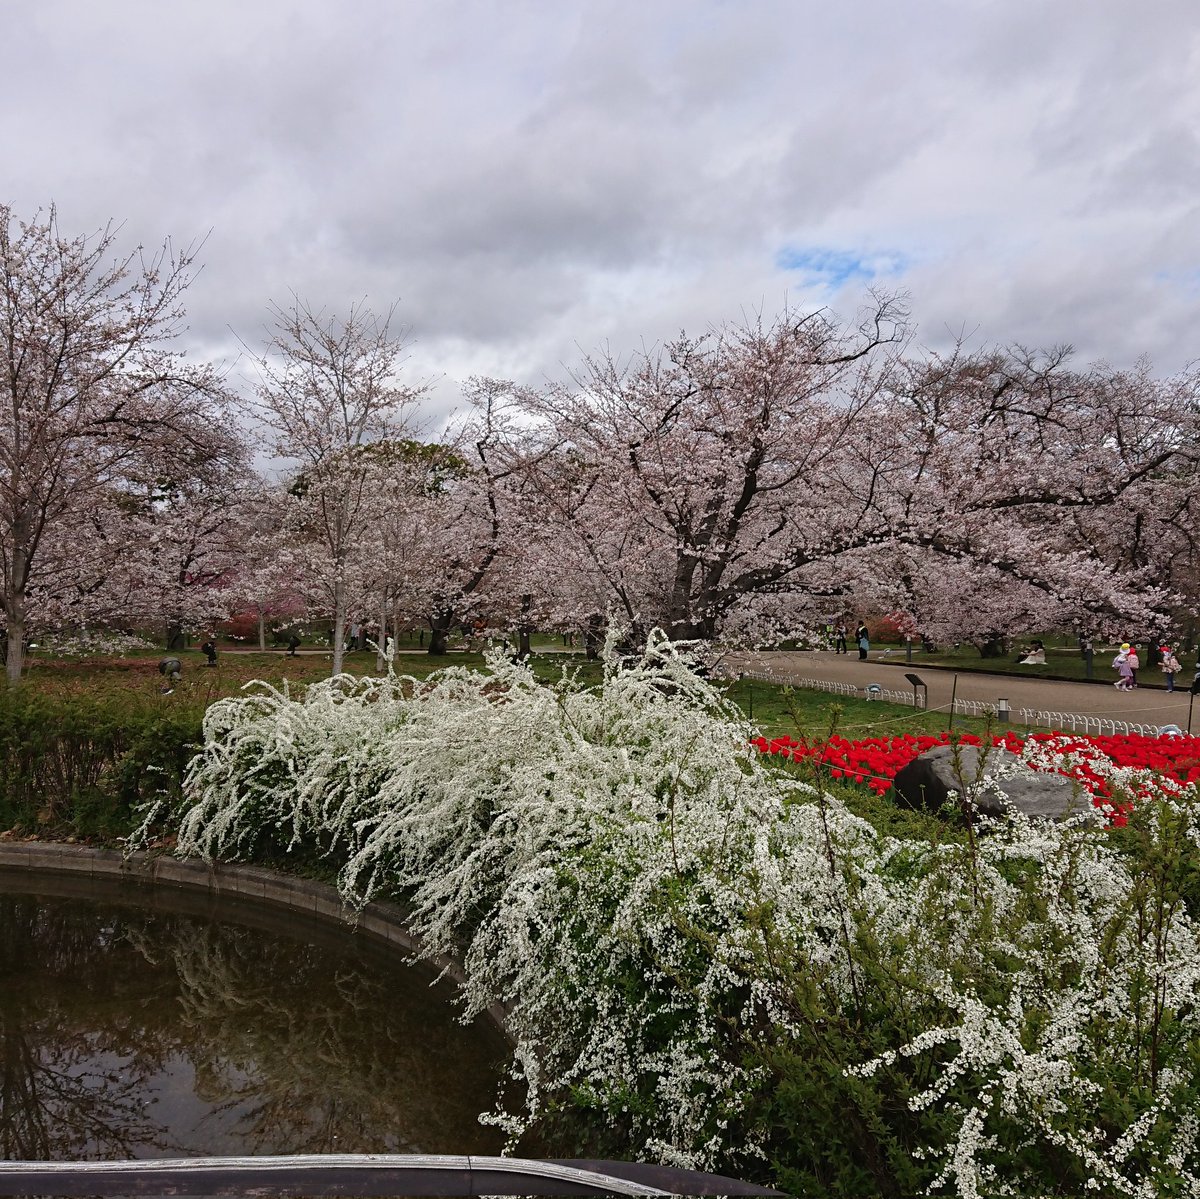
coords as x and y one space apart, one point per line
1170 666
1135 663
864 640
1124 670
839 644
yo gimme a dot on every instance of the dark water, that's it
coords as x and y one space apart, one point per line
138 1022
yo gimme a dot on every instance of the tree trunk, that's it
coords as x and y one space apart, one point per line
176 639
681 623
381 644
339 627
690 630
439 630
591 638
262 629
524 629
14 661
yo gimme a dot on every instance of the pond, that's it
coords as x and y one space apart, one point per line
150 1022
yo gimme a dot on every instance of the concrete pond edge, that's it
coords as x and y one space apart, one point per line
380 921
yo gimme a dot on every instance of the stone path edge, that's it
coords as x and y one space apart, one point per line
383 922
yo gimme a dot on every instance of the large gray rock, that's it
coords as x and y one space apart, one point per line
926 782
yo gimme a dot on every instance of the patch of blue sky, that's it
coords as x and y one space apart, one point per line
1185 280
820 264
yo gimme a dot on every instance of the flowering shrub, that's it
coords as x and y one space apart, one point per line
720 963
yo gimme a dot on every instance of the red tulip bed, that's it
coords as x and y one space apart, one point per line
874 761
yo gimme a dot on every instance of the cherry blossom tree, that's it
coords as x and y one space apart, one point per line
753 480
1011 462
328 391
475 526
682 482
90 389
400 552
191 530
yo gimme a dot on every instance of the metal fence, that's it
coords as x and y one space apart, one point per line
1074 722
871 691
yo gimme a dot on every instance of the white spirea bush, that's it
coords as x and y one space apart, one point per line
664 914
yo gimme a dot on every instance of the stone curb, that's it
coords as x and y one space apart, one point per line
383 922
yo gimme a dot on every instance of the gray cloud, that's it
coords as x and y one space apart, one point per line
532 178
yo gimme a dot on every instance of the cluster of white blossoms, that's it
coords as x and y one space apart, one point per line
646 896
83 643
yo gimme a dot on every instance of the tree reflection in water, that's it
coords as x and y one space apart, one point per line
72 1080
127 1032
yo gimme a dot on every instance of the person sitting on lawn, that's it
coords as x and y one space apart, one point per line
1035 655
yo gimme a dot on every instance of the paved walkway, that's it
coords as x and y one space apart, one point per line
1143 706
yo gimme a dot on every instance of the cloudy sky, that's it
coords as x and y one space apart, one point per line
534 180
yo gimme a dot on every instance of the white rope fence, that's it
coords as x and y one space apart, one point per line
1072 722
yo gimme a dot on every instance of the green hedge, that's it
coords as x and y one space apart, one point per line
81 766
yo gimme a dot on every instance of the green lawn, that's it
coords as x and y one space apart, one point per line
108 724
799 712
774 709
1061 663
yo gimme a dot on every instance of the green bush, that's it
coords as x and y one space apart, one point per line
81 765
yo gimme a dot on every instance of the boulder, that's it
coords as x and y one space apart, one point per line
926 782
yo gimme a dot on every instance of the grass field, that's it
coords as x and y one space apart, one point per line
95 734
1061 663
135 681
